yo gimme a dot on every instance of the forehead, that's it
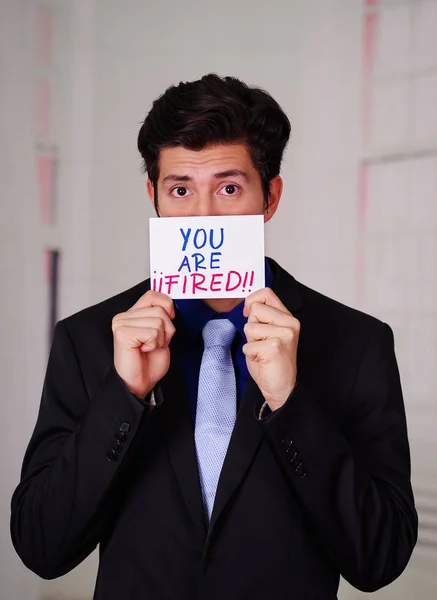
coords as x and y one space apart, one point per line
182 161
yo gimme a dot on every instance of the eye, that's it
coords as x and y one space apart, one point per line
230 189
180 192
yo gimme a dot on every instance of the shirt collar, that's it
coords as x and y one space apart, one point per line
194 314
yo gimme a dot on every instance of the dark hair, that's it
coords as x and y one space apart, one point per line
216 110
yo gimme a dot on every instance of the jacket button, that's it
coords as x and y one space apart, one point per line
292 456
120 436
112 455
300 472
125 427
117 447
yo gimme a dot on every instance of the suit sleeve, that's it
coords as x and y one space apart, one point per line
353 481
72 464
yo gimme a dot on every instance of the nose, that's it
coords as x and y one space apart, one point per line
205 205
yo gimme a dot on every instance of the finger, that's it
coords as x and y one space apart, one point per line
145 338
262 313
263 351
164 326
264 296
154 312
260 331
152 298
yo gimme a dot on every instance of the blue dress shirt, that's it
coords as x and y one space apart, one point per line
191 317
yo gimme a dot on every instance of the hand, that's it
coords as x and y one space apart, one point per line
272 336
141 339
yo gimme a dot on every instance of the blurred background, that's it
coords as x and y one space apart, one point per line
358 220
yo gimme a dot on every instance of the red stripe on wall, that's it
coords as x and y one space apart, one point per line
370 33
44 36
45 187
43 108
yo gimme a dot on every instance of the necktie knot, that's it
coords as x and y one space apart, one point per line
218 332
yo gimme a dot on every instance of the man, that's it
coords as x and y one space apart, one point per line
264 480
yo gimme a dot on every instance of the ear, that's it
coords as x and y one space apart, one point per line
150 191
276 185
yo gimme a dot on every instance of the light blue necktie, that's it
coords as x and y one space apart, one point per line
216 405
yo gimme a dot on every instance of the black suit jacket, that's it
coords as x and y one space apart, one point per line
319 488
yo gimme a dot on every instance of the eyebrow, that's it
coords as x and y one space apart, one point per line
221 175
173 178
231 173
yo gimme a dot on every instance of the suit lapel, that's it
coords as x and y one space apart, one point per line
286 287
176 419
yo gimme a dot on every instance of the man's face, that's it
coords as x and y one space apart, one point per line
218 180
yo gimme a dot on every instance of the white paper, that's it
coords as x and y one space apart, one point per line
207 257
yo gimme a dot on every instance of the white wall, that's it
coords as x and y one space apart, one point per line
22 303
115 58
